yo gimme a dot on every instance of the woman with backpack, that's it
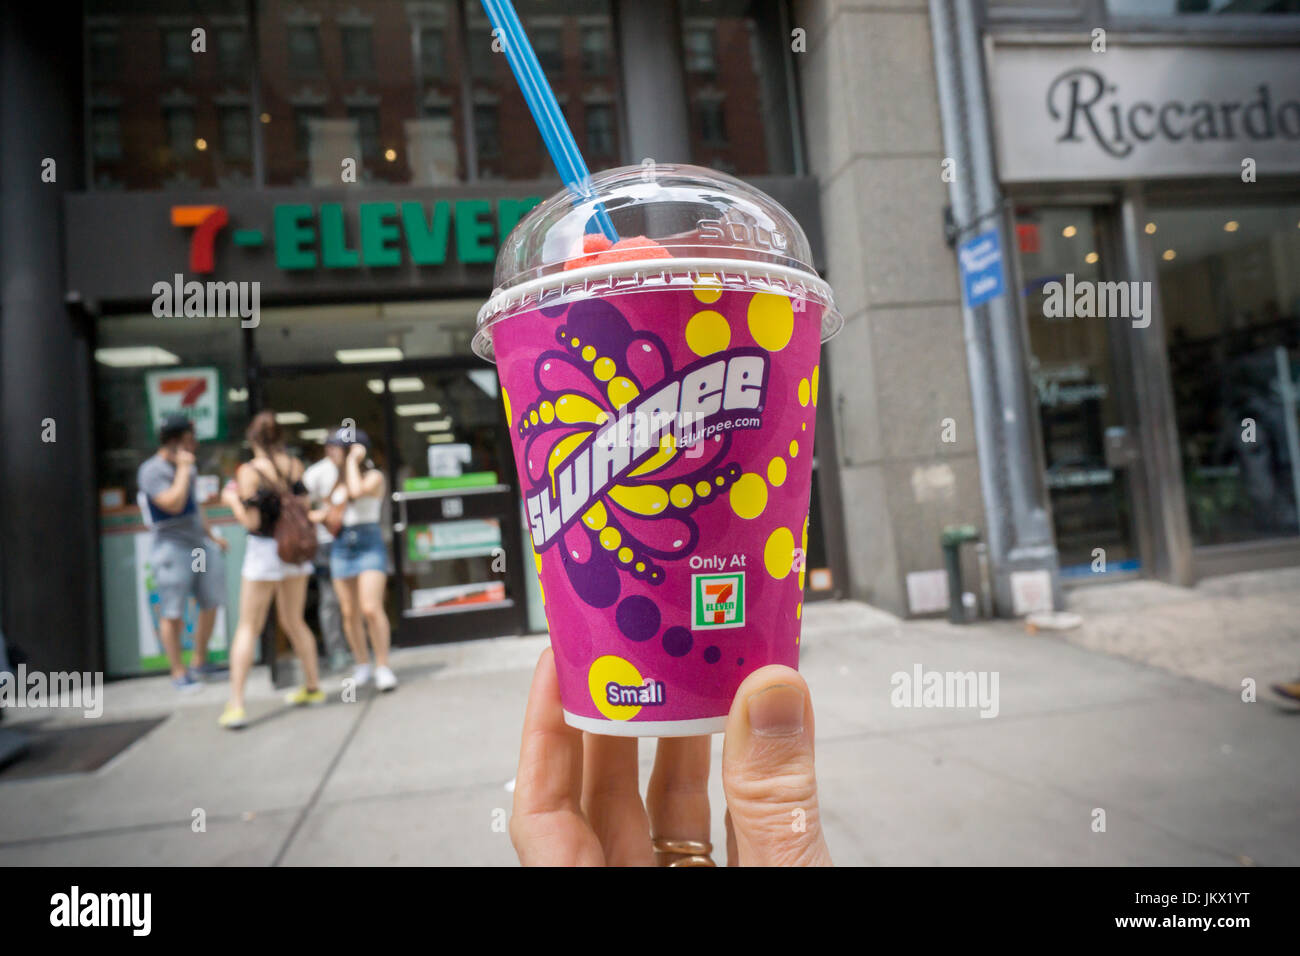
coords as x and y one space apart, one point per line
268 499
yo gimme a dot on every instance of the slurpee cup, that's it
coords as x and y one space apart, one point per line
662 393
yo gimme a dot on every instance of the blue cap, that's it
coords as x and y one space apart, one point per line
345 437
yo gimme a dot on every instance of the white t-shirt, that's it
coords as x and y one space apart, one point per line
320 480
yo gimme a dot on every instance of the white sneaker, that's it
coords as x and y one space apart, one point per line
385 679
362 674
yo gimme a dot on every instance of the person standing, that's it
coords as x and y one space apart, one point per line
358 557
179 553
320 479
254 497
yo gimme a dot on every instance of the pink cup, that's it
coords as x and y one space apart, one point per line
662 415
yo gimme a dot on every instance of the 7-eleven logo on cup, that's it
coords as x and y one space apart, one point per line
717 600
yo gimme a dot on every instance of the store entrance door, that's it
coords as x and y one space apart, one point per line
1082 381
451 514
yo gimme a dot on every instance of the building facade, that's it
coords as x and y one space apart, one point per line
1046 149
966 171
334 179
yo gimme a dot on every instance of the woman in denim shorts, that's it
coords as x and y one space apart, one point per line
358 556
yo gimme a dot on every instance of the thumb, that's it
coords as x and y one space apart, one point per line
767 772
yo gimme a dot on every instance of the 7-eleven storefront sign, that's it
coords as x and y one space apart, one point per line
194 392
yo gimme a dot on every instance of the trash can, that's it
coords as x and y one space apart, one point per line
953 537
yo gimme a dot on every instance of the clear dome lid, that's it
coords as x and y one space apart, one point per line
675 223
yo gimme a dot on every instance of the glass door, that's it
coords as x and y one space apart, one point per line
457 531
1076 319
450 518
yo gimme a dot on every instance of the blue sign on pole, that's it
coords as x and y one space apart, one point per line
981 268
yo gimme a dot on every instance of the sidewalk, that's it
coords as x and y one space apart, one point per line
1138 712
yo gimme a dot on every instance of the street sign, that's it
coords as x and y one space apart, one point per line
981 268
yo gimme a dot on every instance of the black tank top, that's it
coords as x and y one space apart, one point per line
267 501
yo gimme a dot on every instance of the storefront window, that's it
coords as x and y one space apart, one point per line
146 367
735 63
1230 291
344 335
1165 8
1072 363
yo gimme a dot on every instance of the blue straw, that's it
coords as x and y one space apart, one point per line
542 104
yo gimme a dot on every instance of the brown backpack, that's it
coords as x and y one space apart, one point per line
295 535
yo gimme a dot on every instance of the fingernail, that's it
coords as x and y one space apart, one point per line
776 711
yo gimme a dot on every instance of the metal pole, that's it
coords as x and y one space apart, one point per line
983 402
1019 532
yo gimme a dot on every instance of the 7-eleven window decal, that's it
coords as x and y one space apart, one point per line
193 392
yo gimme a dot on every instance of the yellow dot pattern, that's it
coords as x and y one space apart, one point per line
702 489
748 496
816 375
707 332
610 539
778 553
681 495
805 392
604 369
708 294
776 472
794 449
771 320
588 352
547 411
625 555
505 401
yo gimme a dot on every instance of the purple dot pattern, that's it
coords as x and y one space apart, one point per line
638 618
678 641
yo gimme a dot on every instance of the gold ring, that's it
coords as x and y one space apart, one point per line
687 852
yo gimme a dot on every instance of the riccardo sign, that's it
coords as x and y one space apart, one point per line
1144 111
295 244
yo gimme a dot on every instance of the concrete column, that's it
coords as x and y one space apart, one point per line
899 370
48 546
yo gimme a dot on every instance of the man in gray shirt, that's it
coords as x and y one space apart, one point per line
181 560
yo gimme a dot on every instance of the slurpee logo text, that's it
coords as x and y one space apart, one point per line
702 400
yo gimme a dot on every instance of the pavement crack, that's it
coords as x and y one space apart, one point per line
314 799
